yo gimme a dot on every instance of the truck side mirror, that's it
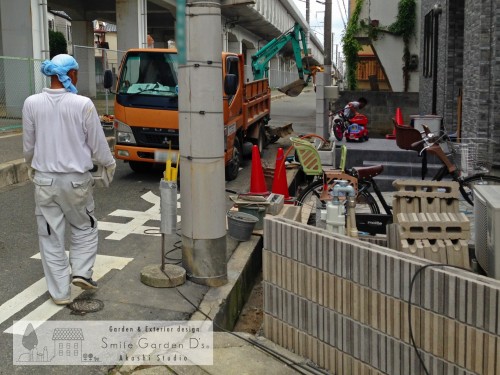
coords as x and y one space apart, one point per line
108 79
230 84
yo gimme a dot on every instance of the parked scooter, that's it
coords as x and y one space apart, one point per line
354 129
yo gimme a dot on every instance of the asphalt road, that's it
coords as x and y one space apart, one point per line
23 293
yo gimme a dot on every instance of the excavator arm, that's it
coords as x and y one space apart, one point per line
306 65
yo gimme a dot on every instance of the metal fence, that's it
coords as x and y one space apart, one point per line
93 75
277 78
19 78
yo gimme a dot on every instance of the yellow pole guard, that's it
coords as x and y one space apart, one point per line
343 157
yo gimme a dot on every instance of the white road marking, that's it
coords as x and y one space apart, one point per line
11 135
103 264
139 218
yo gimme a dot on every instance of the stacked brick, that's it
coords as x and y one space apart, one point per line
427 222
344 304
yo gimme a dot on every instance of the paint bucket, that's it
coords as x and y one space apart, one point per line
240 225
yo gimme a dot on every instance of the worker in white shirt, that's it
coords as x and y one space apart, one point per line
62 133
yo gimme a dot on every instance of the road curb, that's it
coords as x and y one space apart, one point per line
16 171
223 304
13 172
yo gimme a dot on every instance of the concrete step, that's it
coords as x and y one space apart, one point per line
357 157
398 164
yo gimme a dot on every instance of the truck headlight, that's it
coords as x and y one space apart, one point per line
124 133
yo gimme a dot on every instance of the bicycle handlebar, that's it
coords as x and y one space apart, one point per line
418 143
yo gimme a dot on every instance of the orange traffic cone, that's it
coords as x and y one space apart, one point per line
280 185
257 181
399 117
399 120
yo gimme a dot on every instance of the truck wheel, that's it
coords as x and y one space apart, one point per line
140 167
233 167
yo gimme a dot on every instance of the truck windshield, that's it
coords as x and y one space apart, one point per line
149 73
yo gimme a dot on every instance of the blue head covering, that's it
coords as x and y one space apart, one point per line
60 65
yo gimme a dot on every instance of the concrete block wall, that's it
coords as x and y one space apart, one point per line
343 303
381 108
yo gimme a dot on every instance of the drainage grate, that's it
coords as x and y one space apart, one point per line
82 306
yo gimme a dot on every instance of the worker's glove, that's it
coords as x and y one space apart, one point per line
31 173
110 172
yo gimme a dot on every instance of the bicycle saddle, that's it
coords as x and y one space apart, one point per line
367 172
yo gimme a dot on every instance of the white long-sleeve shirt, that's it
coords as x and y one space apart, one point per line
62 133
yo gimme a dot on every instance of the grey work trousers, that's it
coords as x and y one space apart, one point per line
61 197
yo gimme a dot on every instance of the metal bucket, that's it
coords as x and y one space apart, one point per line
240 225
258 211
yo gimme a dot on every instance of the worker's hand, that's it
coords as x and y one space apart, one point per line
31 173
110 171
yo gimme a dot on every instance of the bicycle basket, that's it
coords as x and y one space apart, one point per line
473 155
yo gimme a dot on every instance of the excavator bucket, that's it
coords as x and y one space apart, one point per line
296 87
293 89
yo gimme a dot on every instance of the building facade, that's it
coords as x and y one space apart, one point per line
460 70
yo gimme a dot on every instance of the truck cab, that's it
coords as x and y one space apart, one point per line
147 109
146 106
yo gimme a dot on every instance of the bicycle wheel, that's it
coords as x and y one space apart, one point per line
466 187
310 200
338 131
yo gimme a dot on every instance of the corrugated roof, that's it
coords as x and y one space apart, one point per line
60 13
108 27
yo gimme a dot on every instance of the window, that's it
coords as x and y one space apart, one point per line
76 345
51 25
68 353
76 353
232 67
154 73
61 352
61 345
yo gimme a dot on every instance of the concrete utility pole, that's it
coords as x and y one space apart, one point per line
325 79
201 124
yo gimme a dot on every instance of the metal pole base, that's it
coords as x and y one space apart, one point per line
205 261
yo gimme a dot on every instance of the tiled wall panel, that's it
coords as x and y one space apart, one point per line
343 303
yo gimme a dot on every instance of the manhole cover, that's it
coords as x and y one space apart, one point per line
86 305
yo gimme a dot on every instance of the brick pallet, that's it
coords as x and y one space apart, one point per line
427 222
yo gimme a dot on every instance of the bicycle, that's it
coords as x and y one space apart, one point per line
315 195
468 162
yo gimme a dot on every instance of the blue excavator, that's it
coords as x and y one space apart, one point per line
307 66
